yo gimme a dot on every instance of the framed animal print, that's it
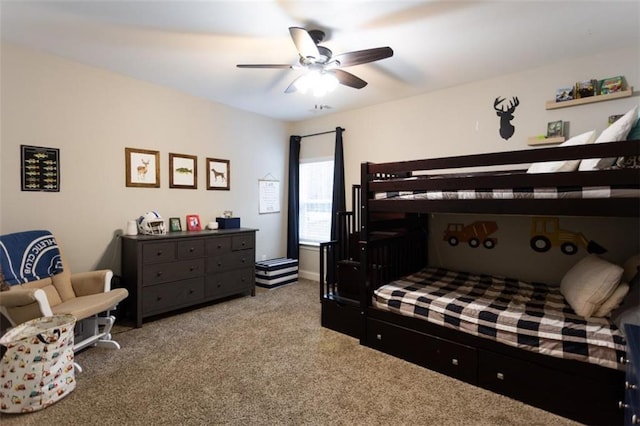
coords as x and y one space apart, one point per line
142 168
183 171
218 174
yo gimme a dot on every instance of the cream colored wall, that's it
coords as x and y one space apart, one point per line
461 120
91 115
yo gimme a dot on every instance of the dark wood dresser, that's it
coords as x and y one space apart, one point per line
631 403
181 269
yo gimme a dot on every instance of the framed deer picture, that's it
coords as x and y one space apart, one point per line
218 174
142 168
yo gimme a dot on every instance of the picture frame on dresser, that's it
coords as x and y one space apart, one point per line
218 174
142 168
175 225
193 223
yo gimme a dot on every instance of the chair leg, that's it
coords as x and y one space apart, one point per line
96 331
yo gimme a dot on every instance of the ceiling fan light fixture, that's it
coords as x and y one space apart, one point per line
320 83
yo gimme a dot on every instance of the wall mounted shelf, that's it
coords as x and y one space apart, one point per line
592 99
545 141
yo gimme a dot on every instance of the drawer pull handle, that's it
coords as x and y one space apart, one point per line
379 336
500 376
219 263
190 291
159 273
622 405
193 268
191 249
159 253
635 420
454 361
630 386
624 360
219 246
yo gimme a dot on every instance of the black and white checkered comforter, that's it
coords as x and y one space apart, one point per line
516 313
513 194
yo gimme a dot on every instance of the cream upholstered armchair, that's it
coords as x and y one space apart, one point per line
87 296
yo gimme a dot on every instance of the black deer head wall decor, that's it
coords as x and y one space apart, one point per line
506 115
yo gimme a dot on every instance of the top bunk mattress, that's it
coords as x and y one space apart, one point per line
530 316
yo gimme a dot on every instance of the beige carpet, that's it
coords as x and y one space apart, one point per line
265 360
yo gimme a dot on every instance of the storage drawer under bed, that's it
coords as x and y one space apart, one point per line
452 359
577 397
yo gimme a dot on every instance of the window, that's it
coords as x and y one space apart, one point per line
316 192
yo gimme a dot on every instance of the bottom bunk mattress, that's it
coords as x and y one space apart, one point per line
530 316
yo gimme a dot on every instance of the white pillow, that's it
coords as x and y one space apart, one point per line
618 131
589 283
563 166
613 301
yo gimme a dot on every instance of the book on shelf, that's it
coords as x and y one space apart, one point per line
611 85
586 88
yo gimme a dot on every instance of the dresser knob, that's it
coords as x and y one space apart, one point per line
159 253
159 274
191 249
630 386
159 298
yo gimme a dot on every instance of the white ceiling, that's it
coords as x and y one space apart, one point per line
194 46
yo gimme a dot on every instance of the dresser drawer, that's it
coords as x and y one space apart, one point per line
158 252
165 272
228 283
234 260
218 246
190 249
242 242
164 297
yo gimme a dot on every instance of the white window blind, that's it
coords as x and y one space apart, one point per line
316 182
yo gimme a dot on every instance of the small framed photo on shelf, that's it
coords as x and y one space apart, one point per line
183 171
174 224
555 129
564 94
218 174
193 223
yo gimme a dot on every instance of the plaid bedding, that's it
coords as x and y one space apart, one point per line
526 315
509 194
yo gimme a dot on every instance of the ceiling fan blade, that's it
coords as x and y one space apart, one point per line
277 66
363 56
304 43
349 79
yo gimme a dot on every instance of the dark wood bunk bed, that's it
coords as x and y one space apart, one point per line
393 244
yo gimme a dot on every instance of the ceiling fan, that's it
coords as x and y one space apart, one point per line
320 61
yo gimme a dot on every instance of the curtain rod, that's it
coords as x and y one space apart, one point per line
321 133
